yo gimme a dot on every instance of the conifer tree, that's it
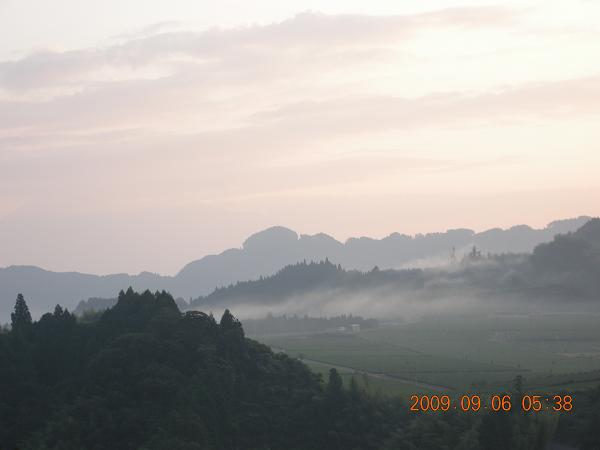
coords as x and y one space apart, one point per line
229 322
335 383
58 311
21 318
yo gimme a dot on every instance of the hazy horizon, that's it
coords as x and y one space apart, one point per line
240 245
141 136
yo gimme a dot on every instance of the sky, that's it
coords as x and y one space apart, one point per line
141 135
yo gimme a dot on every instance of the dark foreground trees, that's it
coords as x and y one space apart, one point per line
144 376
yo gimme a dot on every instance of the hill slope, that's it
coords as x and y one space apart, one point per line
146 376
263 254
568 268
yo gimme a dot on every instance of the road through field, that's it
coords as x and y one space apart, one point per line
383 376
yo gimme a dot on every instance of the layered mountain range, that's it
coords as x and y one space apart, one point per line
554 277
266 252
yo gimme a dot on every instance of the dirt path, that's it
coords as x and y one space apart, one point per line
383 376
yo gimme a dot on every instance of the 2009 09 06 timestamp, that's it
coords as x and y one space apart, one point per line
494 403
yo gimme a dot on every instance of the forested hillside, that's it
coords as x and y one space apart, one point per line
571 262
566 269
142 375
263 254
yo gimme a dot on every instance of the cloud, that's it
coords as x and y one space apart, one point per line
322 122
224 49
127 119
209 86
553 99
150 30
222 88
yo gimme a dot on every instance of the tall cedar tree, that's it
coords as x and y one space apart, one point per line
21 318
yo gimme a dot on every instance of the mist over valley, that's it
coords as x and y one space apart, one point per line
269 251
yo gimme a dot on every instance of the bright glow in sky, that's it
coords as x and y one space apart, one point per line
140 135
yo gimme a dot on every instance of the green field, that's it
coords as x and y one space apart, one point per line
373 384
482 354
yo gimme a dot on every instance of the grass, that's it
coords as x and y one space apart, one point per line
519 343
465 354
370 355
372 384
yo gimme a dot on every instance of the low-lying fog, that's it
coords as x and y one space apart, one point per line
385 305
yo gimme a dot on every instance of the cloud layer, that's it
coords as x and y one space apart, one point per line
291 123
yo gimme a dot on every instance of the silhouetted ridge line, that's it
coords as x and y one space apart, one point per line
263 254
567 268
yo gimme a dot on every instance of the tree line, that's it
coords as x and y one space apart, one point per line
143 375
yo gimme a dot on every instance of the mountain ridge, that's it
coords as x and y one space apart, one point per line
264 253
565 269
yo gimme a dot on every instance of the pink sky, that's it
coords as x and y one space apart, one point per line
168 133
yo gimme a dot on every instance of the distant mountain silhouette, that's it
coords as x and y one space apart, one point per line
263 254
567 268
268 251
45 288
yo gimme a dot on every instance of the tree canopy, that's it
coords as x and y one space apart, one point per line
145 376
